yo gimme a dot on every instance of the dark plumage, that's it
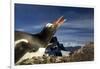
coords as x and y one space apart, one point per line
25 42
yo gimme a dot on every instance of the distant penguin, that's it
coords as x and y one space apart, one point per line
26 42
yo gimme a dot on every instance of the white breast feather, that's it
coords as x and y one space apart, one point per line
21 40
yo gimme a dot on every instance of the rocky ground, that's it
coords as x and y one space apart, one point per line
86 53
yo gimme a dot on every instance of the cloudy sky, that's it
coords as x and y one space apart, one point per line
78 29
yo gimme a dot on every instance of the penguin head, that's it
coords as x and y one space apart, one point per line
52 27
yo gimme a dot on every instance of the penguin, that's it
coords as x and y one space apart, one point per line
27 42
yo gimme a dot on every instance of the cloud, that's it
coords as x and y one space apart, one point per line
68 44
20 29
74 38
83 23
37 26
30 28
76 31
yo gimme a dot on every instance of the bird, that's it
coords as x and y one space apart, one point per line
27 42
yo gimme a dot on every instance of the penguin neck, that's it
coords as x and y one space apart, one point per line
45 35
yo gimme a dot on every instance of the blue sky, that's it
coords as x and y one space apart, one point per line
78 29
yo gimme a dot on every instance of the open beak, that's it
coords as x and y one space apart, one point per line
59 22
